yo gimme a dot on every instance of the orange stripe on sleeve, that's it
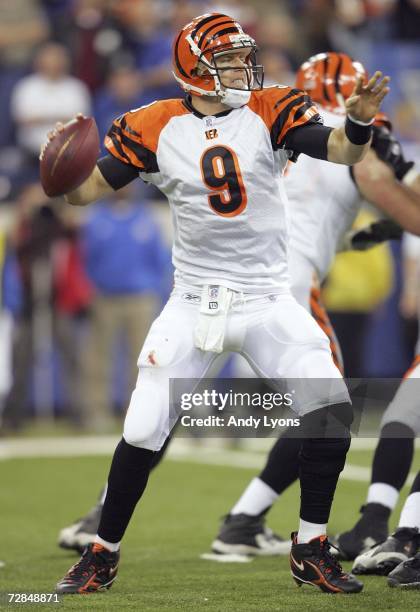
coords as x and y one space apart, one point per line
282 109
133 138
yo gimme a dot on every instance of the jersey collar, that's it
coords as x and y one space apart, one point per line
187 103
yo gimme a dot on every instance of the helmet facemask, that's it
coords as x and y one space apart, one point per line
250 74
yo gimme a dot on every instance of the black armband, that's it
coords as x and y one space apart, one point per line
358 133
116 173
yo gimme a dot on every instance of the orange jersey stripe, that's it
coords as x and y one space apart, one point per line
413 366
383 120
133 137
281 109
321 317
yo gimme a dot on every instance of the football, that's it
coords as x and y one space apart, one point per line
70 157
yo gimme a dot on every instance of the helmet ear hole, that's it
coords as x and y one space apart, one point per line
200 70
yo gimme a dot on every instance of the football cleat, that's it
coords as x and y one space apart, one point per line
407 574
243 534
96 571
370 529
384 557
82 532
312 563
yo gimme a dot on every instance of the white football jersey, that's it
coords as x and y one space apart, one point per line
222 176
323 203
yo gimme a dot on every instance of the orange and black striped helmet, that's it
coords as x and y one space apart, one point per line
200 42
329 78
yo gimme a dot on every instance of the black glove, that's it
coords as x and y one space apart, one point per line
389 150
372 234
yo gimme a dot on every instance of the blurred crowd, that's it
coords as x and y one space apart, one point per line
79 288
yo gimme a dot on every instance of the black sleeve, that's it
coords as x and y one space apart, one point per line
309 139
116 173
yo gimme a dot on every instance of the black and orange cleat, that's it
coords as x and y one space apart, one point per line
313 564
96 571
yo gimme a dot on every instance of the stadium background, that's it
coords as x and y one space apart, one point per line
118 54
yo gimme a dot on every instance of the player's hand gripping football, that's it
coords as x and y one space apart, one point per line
365 100
59 129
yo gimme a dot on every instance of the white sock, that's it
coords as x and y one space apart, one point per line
410 514
256 498
309 531
111 546
382 493
102 500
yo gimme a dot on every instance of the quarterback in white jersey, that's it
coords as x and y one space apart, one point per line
218 156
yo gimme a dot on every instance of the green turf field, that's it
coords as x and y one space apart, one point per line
160 567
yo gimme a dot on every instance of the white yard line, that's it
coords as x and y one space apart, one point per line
210 453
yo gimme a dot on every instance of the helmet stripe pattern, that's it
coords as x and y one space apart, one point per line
324 82
193 58
329 78
204 22
337 75
212 27
176 56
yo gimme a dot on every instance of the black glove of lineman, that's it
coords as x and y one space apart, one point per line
371 235
389 150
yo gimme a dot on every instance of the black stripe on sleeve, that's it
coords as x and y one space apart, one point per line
146 157
302 110
113 134
116 173
282 118
128 129
292 92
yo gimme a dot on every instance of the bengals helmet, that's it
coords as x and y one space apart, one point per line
195 53
329 78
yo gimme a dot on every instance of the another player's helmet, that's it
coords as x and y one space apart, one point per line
329 78
195 53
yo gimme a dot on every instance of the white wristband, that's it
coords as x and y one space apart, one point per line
411 176
360 122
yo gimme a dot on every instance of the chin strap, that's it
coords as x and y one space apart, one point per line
234 98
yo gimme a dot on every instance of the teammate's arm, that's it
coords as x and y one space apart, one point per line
347 144
350 143
377 183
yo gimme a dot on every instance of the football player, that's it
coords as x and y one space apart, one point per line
322 211
218 156
402 420
396 555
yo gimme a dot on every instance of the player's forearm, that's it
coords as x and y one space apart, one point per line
410 275
94 188
342 151
395 200
412 181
